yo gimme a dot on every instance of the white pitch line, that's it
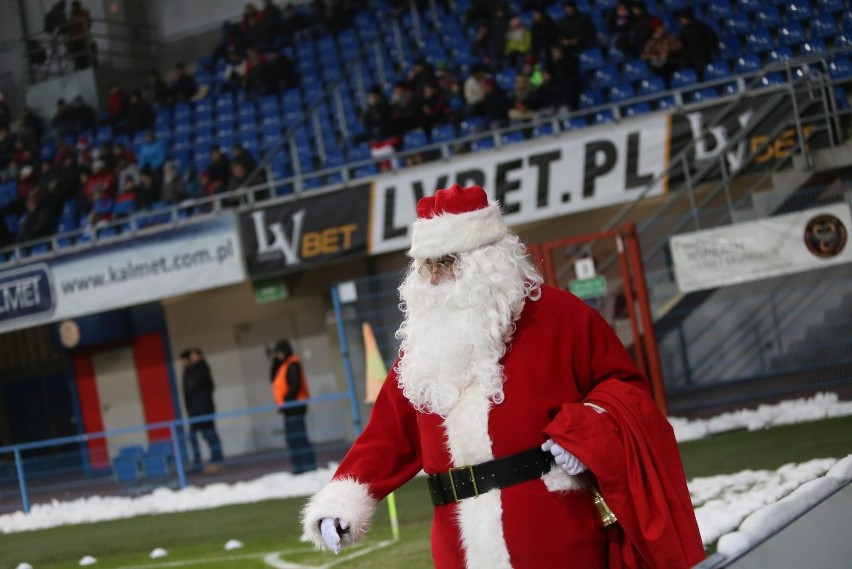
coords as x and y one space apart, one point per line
189 562
274 559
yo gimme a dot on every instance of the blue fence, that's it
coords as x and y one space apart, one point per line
138 459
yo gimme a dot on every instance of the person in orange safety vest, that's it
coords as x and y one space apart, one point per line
289 386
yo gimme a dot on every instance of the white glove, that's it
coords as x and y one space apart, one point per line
569 463
331 529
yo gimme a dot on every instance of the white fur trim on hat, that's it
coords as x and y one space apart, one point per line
345 499
457 233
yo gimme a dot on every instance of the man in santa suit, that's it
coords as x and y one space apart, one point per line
514 397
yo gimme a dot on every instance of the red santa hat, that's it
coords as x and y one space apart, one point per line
455 220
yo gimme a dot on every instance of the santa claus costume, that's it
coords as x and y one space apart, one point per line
492 364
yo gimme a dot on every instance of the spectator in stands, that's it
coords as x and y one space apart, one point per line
239 175
7 147
420 74
219 171
209 186
38 221
83 116
149 190
662 51
474 90
23 154
126 195
5 112
282 71
699 41
83 151
620 21
640 29
156 89
521 109
258 79
192 185
63 119
100 181
67 180
273 20
152 153
480 11
235 71
78 39
140 113
545 33
31 125
518 42
404 113
293 22
48 180
117 104
376 117
55 20
172 183
183 86
565 74
435 109
576 30
127 170
495 104
498 27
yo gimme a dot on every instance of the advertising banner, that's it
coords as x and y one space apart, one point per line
189 258
294 236
546 178
769 247
712 136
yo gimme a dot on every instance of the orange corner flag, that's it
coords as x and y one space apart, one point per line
376 369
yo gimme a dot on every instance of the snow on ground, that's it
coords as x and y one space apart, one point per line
728 506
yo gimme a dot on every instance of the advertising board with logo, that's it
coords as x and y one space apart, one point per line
768 247
193 257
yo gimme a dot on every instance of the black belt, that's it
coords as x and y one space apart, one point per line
471 481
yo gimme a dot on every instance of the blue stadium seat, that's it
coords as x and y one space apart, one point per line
590 98
366 171
652 85
415 139
621 92
767 17
591 59
791 33
738 23
443 133
812 47
747 63
574 123
823 26
158 460
718 9
545 129
606 76
771 79
359 153
684 78
704 94
482 144
127 465
718 69
637 109
506 79
759 40
729 45
635 70
604 116
511 137
779 53
798 10
832 6
840 67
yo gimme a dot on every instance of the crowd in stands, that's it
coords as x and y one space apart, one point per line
522 62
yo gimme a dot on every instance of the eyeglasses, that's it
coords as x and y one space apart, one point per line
443 266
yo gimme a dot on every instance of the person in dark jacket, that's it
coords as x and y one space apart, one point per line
198 398
289 386
699 41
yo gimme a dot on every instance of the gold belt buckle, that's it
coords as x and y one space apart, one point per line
453 482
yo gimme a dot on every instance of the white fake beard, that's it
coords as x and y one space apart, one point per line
455 333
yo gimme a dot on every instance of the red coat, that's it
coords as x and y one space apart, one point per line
561 355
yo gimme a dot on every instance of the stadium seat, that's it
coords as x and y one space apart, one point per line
606 76
840 68
684 78
545 129
635 70
759 41
621 92
812 47
798 10
511 137
823 26
637 109
591 59
591 98
767 17
506 79
574 123
652 85
791 33
415 139
127 465
366 171
832 6
158 460
779 53
482 144
718 69
747 63
443 133
704 94
729 45
718 9
771 79
738 23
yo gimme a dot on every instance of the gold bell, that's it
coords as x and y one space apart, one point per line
605 516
